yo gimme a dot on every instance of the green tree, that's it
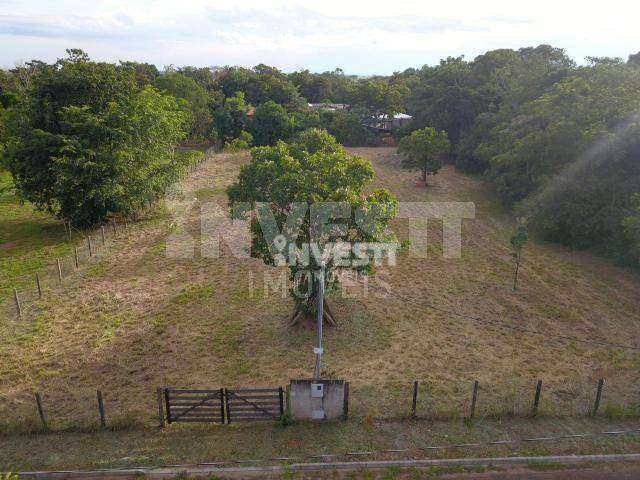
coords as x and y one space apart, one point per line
145 73
186 88
518 239
423 149
271 123
244 141
87 145
380 97
348 129
231 117
289 181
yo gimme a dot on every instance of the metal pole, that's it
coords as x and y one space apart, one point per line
318 349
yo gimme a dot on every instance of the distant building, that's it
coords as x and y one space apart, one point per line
332 107
398 120
383 127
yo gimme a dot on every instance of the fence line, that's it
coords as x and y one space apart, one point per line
21 293
165 407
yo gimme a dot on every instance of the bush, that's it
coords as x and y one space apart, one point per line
243 142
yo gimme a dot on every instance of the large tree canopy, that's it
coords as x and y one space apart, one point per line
181 86
271 123
290 184
88 144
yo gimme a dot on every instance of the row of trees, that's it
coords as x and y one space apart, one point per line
559 142
85 140
271 105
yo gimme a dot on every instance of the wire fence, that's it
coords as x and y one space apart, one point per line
86 247
69 408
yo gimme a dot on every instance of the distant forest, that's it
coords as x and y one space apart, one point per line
558 142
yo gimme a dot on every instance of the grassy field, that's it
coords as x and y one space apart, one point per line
137 319
29 240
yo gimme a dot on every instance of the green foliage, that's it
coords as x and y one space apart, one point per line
186 88
315 88
243 142
271 123
311 169
145 73
557 141
259 85
347 128
380 97
519 238
86 144
631 225
423 149
231 117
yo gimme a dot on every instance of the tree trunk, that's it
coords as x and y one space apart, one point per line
515 277
424 174
300 313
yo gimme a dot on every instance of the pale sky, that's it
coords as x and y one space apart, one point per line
361 37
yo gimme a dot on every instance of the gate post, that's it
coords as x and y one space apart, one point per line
160 408
166 401
222 395
280 394
226 405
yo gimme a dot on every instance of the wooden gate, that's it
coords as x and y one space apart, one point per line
194 405
251 404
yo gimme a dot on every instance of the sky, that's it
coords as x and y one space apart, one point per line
361 37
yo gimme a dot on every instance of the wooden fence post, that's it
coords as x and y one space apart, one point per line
415 398
38 285
160 407
89 243
75 252
166 402
474 398
536 400
59 270
115 231
17 299
596 404
222 411
104 242
43 417
281 398
345 406
103 420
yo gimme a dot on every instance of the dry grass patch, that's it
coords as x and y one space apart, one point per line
141 320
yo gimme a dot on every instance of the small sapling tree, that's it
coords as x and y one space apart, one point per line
518 239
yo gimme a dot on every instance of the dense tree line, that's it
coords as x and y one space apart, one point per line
559 142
